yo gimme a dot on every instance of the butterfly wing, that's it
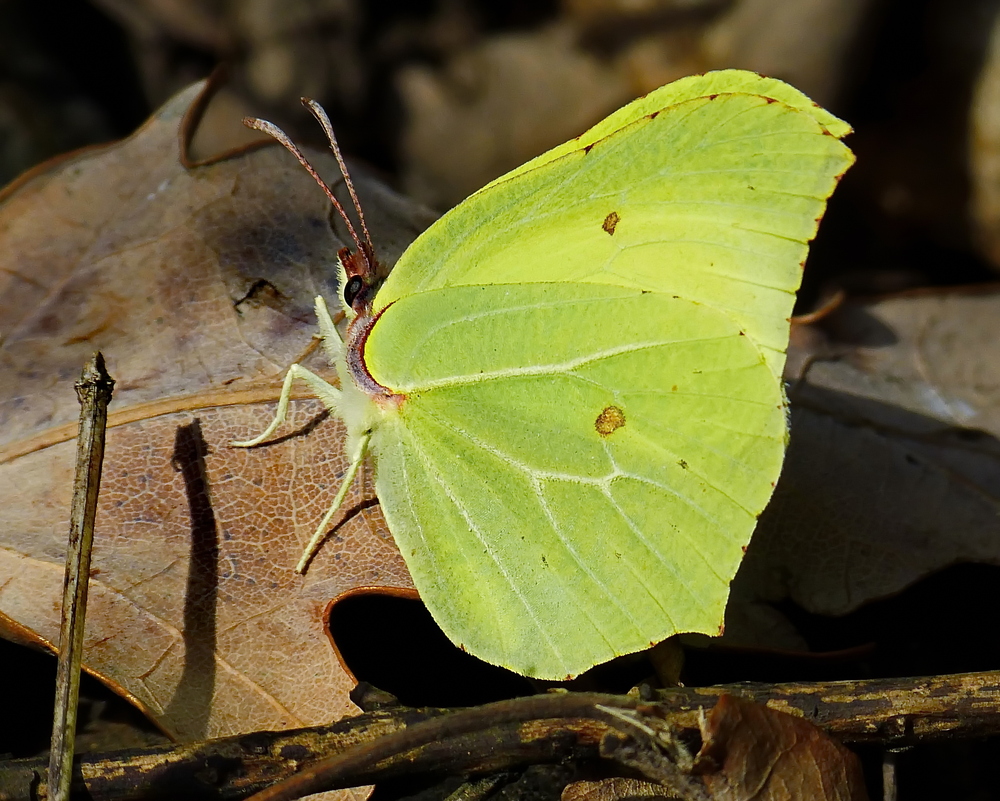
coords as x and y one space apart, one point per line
693 87
574 469
713 198
589 353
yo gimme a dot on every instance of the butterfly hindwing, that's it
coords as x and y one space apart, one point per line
574 469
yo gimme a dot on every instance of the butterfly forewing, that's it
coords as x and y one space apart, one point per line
713 199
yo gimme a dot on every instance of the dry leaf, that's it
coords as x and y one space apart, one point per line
196 282
616 788
893 471
752 752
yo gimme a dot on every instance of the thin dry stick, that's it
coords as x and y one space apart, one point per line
892 713
325 773
890 791
94 391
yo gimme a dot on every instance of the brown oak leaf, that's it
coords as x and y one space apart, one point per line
196 281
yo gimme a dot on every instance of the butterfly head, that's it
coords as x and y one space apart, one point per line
361 274
361 277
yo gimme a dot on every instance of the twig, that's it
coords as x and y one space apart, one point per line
890 712
889 766
230 768
334 770
478 789
94 391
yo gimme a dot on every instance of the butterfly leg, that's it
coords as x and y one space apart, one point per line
323 390
317 538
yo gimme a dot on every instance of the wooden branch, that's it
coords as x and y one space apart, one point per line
338 770
94 392
892 712
235 767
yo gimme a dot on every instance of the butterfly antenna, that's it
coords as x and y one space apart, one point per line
275 132
321 117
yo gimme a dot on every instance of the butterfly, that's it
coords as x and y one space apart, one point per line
571 382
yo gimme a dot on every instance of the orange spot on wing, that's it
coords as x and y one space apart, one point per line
611 222
609 420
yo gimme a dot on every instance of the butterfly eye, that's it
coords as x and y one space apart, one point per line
353 287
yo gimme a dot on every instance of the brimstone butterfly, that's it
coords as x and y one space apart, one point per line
571 382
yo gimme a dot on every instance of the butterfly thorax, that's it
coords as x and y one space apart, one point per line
357 335
364 403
